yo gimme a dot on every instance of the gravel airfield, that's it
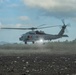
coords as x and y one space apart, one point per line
47 59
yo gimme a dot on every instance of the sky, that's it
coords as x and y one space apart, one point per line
31 13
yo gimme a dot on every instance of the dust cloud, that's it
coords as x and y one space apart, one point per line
53 48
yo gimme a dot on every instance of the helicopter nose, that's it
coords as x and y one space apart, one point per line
20 39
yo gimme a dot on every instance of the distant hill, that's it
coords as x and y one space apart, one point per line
2 43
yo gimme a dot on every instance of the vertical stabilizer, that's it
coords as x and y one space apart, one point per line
62 30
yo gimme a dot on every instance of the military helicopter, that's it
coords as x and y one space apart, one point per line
36 35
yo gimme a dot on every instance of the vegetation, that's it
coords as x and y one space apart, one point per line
51 45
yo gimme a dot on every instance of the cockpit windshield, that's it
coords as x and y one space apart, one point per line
40 32
31 32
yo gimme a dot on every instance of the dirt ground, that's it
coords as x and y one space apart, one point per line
38 64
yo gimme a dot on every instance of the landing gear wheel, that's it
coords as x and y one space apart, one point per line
33 42
25 42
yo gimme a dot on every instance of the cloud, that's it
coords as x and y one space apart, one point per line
18 25
57 8
23 18
0 24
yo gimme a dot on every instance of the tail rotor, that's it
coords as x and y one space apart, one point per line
65 25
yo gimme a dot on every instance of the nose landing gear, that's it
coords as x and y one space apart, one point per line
25 42
33 42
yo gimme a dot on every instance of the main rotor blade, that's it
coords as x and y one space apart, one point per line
32 28
19 28
41 25
63 22
15 28
48 27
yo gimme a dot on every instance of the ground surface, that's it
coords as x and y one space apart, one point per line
38 64
40 60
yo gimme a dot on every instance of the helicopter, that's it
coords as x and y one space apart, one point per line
36 35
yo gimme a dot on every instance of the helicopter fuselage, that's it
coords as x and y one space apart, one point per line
33 36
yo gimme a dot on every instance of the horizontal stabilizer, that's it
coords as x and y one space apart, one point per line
64 35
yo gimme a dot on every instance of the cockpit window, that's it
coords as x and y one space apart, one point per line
31 33
40 32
